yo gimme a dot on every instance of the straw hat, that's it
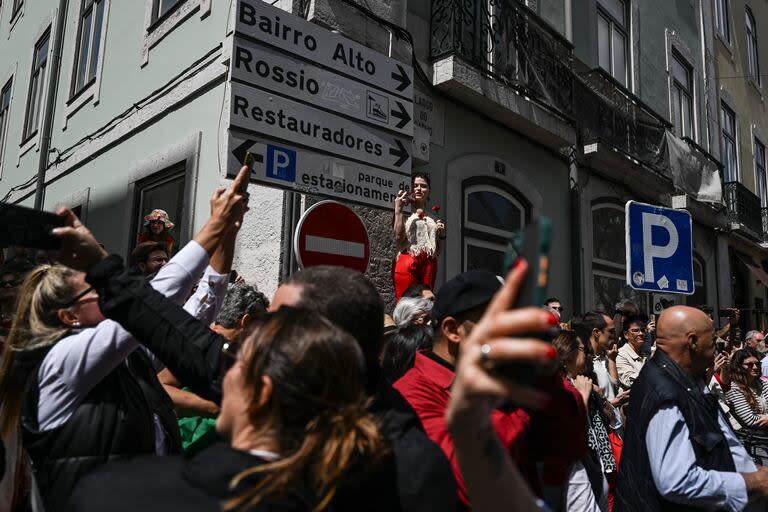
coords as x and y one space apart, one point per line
160 215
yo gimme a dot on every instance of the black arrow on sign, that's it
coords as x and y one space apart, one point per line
400 152
402 77
240 151
401 114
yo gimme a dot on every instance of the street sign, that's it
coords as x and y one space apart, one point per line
280 29
277 164
330 233
659 245
279 117
264 67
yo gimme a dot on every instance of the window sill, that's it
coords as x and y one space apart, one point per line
725 42
758 88
79 100
28 144
155 31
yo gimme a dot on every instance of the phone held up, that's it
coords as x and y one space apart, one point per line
532 244
25 227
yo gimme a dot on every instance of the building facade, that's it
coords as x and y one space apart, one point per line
563 108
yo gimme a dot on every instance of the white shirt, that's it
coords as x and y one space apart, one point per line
604 380
77 363
206 302
579 496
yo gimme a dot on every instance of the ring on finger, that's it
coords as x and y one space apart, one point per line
485 356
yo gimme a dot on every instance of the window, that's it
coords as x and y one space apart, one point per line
16 6
492 212
36 87
162 7
753 59
608 259
760 183
730 160
699 297
5 105
682 97
721 19
165 191
88 44
612 38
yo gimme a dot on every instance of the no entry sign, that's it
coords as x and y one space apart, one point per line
330 233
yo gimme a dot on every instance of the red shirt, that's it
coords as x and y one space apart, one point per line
557 432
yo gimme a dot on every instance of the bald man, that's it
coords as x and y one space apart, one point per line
679 451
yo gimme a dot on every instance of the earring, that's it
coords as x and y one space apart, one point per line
75 324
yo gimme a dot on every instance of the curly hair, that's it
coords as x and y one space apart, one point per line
740 376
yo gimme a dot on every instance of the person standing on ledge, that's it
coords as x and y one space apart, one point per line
419 238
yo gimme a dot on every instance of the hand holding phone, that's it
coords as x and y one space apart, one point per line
25 227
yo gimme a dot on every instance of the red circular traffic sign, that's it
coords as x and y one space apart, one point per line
330 233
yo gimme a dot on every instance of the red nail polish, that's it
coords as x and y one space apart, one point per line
552 320
551 352
518 263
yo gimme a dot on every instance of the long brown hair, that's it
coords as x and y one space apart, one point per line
45 290
740 376
318 407
567 345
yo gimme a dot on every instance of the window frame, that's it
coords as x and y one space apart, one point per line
487 236
155 30
677 87
16 7
88 7
614 25
753 47
726 109
762 192
157 18
722 20
38 77
5 114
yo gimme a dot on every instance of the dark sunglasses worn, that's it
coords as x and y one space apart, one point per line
78 297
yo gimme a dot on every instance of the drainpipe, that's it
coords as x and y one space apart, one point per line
291 215
577 270
50 105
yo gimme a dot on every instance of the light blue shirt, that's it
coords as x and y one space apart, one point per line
674 469
764 364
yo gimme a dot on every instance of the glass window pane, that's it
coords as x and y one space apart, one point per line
615 8
96 46
493 210
32 115
608 235
687 108
484 258
165 5
681 72
166 194
604 43
620 57
85 44
42 53
610 290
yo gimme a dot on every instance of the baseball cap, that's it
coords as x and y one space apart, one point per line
464 292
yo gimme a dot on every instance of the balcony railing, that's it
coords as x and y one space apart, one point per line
743 208
765 224
507 41
607 111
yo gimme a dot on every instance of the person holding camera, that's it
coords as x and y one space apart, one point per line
419 238
73 381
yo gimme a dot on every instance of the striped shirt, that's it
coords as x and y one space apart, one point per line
740 407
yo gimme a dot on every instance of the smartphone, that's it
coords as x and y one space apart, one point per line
533 244
25 227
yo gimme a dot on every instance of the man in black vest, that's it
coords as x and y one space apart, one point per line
679 451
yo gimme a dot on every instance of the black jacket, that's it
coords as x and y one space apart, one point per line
163 484
661 382
191 351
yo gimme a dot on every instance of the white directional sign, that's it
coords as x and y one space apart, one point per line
270 69
285 166
277 28
281 118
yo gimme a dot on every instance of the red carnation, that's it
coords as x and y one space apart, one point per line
436 209
421 213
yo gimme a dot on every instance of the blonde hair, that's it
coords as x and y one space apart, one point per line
317 408
46 290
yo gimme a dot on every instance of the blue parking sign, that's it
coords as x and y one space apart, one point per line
659 249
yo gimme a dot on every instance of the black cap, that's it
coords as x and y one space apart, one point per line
464 292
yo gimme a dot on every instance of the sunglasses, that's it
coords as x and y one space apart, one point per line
78 297
557 308
750 365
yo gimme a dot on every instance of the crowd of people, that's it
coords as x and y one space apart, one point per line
169 383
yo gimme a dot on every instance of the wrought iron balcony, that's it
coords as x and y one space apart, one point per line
507 41
765 224
608 112
744 209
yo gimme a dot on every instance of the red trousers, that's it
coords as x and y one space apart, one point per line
409 270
